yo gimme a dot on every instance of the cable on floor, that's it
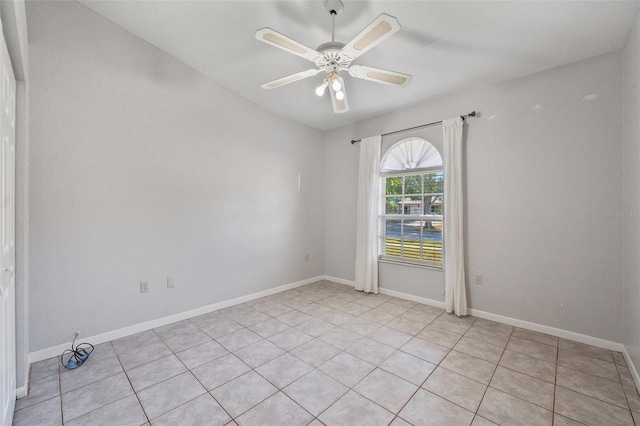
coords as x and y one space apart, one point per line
77 355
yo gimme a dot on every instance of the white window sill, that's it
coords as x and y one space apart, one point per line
414 265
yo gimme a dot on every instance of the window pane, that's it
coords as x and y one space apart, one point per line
412 205
413 240
411 236
413 184
432 241
392 205
393 234
394 185
433 183
433 204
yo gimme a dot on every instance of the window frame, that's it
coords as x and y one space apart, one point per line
383 216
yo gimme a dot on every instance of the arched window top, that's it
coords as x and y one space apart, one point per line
411 154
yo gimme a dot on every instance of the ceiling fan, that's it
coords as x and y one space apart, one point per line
334 56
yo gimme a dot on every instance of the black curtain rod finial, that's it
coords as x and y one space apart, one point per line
471 114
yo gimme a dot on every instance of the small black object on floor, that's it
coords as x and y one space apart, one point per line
77 355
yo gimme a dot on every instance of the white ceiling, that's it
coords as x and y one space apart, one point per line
447 46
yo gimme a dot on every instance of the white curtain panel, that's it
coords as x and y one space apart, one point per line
367 215
454 275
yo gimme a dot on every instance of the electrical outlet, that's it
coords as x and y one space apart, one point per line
478 279
171 282
144 287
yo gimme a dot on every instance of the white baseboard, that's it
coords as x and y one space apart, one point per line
339 280
632 367
558 332
393 293
411 297
21 392
137 328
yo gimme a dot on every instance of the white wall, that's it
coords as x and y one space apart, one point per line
631 146
542 166
142 168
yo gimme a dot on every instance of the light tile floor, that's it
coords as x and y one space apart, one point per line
326 354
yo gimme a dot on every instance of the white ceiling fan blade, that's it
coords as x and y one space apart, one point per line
383 27
339 105
285 43
378 75
290 79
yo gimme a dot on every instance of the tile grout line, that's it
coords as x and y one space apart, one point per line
256 372
106 405
429 375
555 385
206 391
341 351
57 373
625 393
530 340
60 389
457 373
130 384
492 375
289 352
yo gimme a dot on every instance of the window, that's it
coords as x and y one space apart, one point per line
412 185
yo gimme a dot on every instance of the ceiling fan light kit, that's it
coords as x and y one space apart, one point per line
333 57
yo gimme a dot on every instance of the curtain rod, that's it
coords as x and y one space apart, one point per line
471 114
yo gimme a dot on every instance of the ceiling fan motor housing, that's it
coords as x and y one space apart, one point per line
330 45
331 58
